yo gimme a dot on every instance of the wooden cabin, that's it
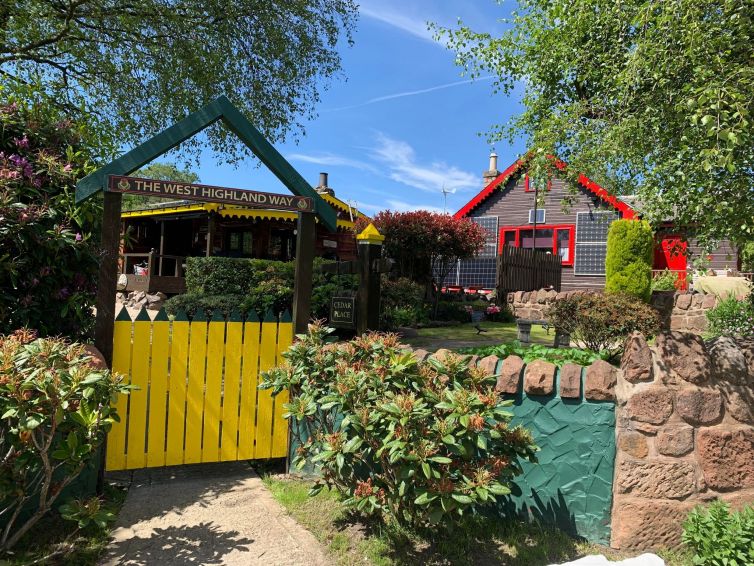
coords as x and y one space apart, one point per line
506 208
158 238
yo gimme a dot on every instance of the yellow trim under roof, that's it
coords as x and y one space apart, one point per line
226 212
344 206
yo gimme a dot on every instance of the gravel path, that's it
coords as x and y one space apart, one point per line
207 514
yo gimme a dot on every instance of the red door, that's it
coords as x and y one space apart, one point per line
670 254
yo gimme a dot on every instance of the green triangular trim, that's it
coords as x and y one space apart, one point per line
217 316
143 316
235 316
123 315
181 316
269 316
162 316
219 109
200 314
286 317
252 316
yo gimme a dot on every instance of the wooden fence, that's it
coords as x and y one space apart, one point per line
196 397
525 269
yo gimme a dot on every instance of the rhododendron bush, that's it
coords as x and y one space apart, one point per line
48 262
422 442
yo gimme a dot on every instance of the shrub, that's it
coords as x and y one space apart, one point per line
720 538
420 442
601 322
557 356
191 302
48 257
402 303
732 317
453 311
628 265
666 281
56 409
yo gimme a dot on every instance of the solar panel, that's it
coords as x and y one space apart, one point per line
479 273
591 241
489 223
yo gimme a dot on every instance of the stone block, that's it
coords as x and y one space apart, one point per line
637 359
656 479
683 301
642 525
510 375
728 360
747 347
600 381
675 440
697 323
696 301
699 406
740 404
570 381
709 301
539 378
420 355
678 322
633 444
726 456
489 365
653 405
685 355
518 297
442 354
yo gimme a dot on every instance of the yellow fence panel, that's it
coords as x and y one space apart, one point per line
195 396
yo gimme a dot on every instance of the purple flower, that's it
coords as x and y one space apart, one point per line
68 168
63 293
22 143
79 237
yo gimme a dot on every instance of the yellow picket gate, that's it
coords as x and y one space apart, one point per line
195 396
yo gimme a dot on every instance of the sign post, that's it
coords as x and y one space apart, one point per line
306 236
370 267
343 312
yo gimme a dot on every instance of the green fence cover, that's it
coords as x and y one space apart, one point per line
571 485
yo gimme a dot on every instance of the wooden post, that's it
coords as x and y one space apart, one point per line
107 286
210 233
368 304
302 285
107 278
162 245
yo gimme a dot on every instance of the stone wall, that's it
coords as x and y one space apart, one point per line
684 433
683 310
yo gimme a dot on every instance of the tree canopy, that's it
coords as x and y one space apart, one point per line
161 172
141 65
650 98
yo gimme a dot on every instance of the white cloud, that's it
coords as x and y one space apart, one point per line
400 159
331 159
398 19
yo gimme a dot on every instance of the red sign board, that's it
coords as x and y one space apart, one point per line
209 193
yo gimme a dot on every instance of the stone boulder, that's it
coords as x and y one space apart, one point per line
600 381
685 355
637 359
653 406
539 378
728 360
699 406
726 456
675 440
510 375
656 479
641 524
570 381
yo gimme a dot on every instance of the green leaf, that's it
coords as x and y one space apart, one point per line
465 499
441 459
427 470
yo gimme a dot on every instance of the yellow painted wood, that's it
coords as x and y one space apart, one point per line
158 394
231 391
115 457
195 391
279 424
249 392
267 355
179 349
137 411
212 414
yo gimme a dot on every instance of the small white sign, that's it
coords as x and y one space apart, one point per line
330 243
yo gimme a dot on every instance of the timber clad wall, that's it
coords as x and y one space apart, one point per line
512 204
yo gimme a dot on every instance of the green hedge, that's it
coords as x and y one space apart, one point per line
249 285
630 250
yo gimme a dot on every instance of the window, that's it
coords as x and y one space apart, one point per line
540 215
531 184
553 239
240 243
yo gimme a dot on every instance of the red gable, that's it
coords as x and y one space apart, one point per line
583 180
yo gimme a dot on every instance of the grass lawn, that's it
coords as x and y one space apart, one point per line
55 541
351 540
465 335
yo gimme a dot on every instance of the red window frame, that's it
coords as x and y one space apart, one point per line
527 187
570 228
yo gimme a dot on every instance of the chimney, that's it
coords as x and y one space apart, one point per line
492 172
322 188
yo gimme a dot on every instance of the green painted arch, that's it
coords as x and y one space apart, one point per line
219 109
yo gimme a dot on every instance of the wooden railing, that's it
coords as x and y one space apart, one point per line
154 263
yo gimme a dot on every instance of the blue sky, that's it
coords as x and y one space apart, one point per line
400 122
